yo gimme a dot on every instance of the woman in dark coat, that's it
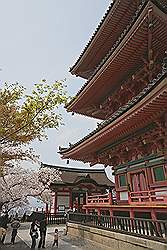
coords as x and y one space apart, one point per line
34 233
42 229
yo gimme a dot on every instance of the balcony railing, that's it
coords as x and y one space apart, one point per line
146 228
99 199
156 196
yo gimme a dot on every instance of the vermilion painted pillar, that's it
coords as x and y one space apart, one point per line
110 198
55 202
132 214
111 215
99 211
116 187
153 215
111 212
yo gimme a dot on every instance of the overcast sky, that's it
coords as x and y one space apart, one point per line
42 39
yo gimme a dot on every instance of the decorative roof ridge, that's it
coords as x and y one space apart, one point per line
94 33
126 107
73 169
157 2
115 45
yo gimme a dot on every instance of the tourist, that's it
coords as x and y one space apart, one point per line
3 227
24 218
56 237
42 229
15 225
2 235
34 233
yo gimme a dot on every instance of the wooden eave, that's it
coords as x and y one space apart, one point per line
76 176
113 23
140 115
71 170
125 58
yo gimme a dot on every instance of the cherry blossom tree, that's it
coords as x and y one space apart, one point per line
18 184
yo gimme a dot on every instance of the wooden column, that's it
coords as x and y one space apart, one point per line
153 215
111 212
149 177
55 202
132 214
116 187
99 211
110 197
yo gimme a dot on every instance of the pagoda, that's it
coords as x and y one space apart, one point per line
125 67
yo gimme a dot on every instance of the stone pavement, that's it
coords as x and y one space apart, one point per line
19 244
23 240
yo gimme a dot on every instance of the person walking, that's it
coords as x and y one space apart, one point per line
15 225
3 226
56 238
34 233
42 230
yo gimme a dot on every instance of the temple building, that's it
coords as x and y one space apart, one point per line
76 184
125 67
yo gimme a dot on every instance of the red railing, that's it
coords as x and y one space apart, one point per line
99 199
149 196
156 196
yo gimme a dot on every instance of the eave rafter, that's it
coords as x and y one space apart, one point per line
115 17
136 38
145 111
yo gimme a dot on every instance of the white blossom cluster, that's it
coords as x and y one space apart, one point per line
17 184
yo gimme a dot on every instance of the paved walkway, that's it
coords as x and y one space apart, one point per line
23 240
19 244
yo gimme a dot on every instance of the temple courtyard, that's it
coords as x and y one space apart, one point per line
23 240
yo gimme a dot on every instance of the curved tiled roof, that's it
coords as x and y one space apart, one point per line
74 176
91 39
123 34
160 4
74 169
124 108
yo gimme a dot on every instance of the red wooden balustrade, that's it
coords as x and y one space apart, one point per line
99 199
149 196
157 196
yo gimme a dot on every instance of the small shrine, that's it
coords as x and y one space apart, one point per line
75 186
